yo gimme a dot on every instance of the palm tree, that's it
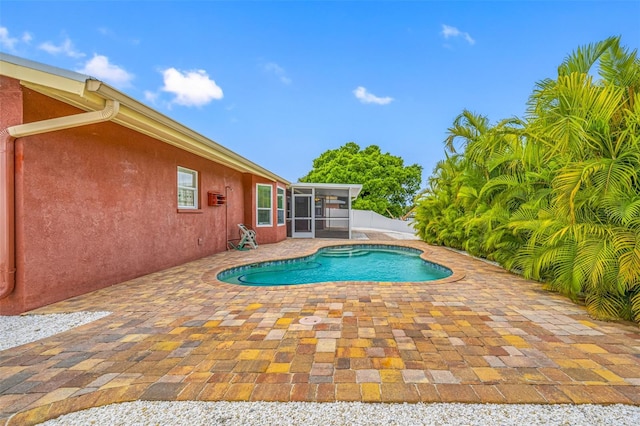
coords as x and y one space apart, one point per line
556 196
586 243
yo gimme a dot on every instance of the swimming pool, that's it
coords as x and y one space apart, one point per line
360 262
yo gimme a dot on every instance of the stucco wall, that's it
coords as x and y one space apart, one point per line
10 102
97 205
264 234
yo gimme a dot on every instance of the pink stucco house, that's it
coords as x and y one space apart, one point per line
97 188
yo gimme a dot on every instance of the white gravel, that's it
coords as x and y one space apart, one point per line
21 329
18 330
191 413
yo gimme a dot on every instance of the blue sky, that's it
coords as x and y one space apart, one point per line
280 82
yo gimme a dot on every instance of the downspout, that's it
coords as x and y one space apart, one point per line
7 215
7 180
226 216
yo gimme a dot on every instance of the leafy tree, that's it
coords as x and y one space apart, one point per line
555 196
388 186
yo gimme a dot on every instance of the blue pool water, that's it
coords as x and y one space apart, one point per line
342 263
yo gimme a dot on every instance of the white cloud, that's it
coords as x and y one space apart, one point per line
448 32
27 37
100 68
111 35
369 98
7 42
150 96
66 48
279 72
191 88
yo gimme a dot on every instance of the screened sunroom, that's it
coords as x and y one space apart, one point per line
320 210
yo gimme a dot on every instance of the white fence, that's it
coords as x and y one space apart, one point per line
368 219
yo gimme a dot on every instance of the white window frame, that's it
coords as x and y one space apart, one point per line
281 196
194 189
259 209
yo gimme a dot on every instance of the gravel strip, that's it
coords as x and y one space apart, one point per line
21 329
191 413
18 330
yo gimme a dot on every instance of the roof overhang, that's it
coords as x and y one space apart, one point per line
89 94
353 188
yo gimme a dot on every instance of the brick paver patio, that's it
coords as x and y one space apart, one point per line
484 335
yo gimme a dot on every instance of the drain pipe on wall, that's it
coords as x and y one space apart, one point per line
7 180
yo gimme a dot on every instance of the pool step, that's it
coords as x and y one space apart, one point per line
343 252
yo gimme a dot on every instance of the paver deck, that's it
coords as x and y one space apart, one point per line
484 335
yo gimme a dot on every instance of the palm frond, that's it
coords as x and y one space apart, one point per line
583 58
635 306
620 66
605 306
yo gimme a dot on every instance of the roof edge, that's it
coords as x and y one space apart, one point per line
354 188
80 90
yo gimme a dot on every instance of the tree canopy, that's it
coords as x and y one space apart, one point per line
388 186
556 195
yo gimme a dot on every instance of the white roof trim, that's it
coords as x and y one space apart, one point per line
90 94
353 188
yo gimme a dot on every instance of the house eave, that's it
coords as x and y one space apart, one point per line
89 94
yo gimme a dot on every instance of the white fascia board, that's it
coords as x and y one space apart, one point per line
90 94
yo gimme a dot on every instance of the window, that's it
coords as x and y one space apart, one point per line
187 188
264 205
280 206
